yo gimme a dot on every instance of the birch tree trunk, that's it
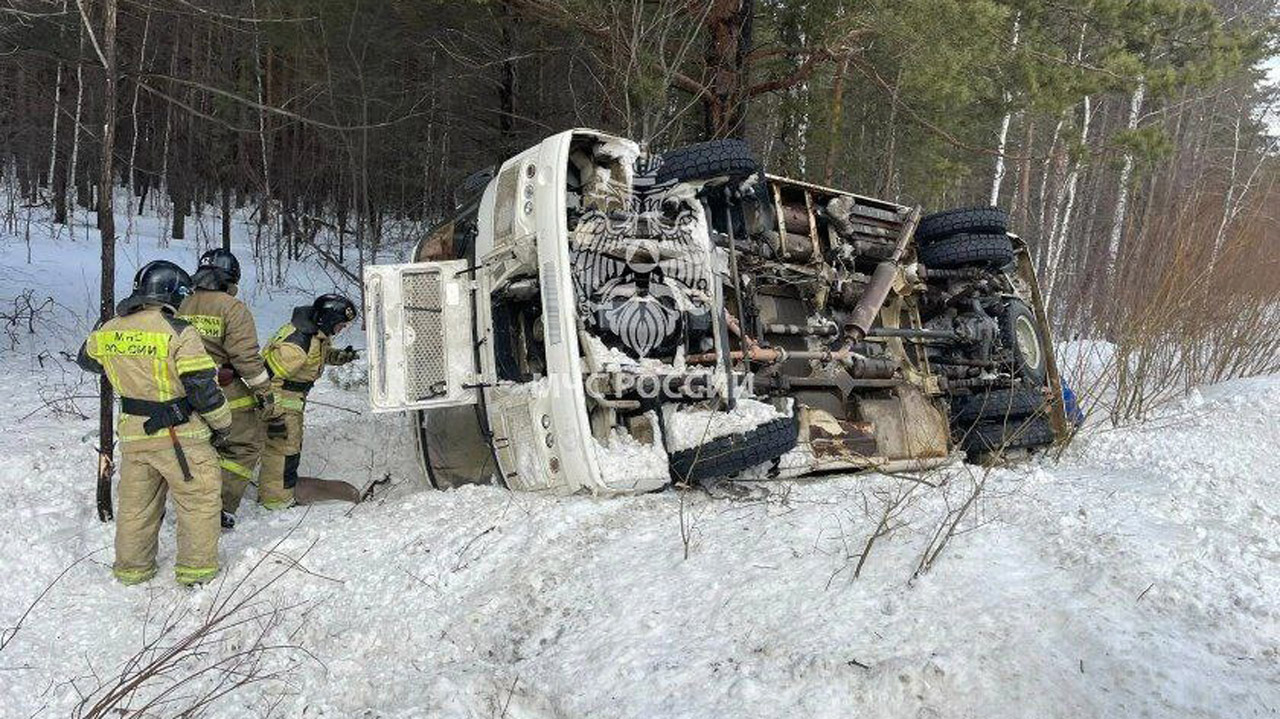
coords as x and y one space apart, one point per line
57 111
1053 196
1126 172
998 176
1021 200
1048 256
137 88
59 173
1228 201
1046 171
1237 191
57 115
72 183
1057 239
264 214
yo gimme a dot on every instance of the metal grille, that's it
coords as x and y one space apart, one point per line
426 372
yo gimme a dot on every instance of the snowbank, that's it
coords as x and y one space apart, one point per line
627 462
1138 577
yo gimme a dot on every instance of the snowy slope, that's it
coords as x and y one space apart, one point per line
1136 577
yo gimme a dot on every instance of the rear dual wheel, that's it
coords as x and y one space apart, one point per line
962 221
997 438
997 404
1001 420
964 237
966 250
1020 335
1015 417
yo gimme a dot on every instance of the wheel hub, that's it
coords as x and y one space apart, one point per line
1028 342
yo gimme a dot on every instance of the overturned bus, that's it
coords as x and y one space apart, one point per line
595 318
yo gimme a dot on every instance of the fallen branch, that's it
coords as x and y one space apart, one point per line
1144 592
49 404
510 693
189 671
332 261
318 403
462 553
948 527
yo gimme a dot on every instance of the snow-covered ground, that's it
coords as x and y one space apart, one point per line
1138 576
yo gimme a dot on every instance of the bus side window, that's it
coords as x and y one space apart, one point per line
438 245
452 240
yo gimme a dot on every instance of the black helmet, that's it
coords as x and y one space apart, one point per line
162 281
223 261
331 310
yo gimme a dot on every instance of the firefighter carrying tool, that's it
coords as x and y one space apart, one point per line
231 338
296 358
171 412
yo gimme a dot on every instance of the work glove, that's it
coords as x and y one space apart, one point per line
268 410
220 438
343 356
276 428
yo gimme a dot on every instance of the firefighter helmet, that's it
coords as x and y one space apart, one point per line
331 310
162 281
224 262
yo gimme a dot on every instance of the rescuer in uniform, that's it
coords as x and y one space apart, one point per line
231 338
296 358
172 416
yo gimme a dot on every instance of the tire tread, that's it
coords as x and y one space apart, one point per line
725 456
962 220
966 249
1014 434
706 160
1010 403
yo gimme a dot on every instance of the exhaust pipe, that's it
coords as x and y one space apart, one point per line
864 313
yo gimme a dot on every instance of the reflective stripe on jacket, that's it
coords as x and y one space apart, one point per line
298 353
148 354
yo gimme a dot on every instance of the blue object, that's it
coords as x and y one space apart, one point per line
1072 405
